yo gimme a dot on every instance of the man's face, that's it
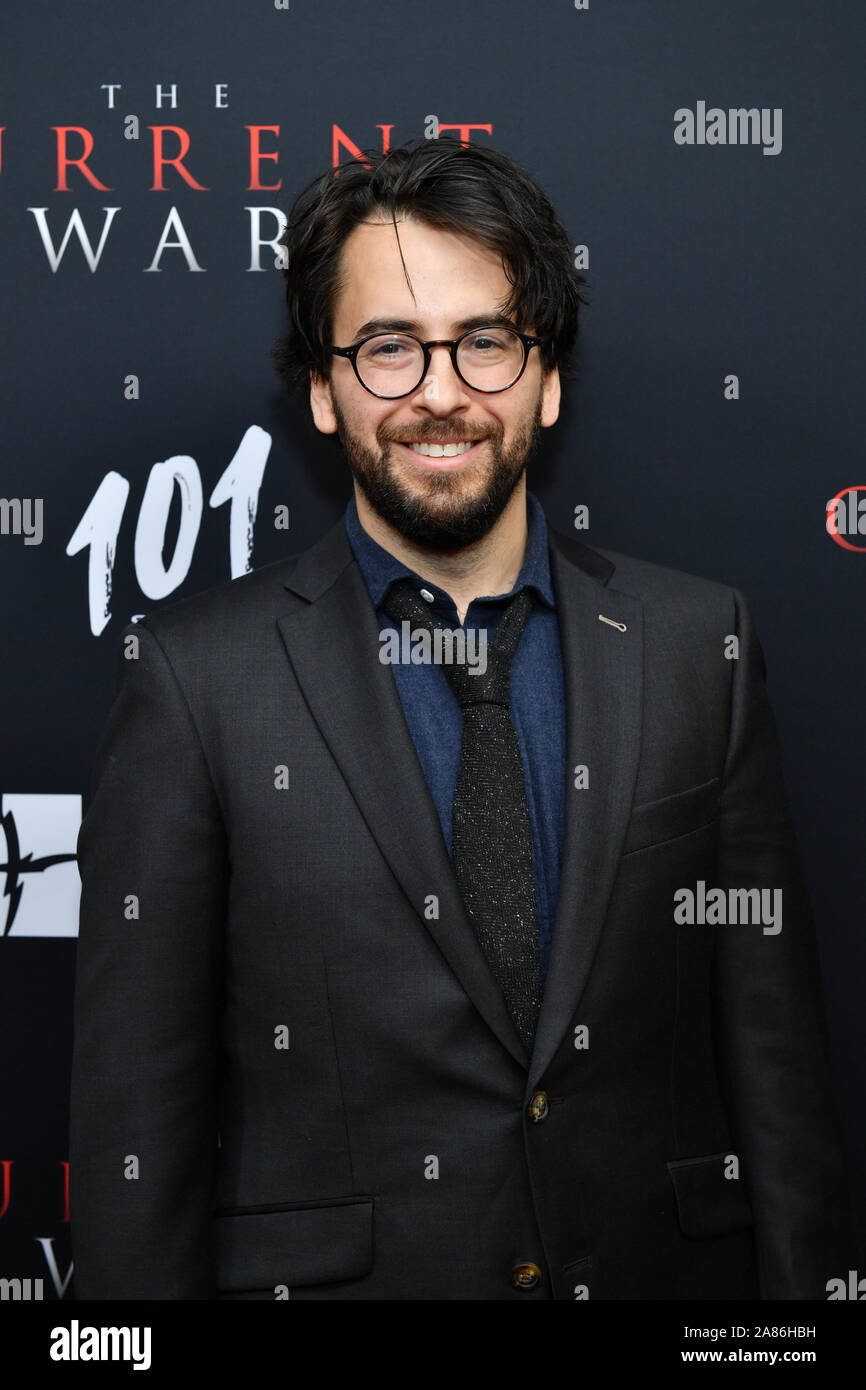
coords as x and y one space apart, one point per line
439 503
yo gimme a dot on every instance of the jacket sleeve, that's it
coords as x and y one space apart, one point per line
769 1012
152 857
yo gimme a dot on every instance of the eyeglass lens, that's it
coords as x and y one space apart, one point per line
392 364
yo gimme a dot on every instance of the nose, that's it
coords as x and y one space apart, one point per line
441 390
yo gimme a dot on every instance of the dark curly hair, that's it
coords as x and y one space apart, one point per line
471 190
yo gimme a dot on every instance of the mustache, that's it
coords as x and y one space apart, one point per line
437 434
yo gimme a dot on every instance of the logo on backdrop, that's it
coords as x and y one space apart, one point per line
846 516
98 531
170 147
41 884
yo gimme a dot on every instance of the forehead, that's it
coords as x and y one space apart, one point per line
453 277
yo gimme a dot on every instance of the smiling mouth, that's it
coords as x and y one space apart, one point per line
430 449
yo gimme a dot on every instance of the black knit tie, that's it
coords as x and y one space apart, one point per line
492 841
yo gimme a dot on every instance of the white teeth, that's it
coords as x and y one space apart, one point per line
437 451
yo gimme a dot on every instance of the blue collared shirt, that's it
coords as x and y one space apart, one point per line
537 704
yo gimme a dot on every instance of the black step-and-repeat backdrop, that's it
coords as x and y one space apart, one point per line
707 159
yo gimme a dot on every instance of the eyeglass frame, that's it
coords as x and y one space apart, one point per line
528 341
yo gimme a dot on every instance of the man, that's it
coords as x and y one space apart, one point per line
388 982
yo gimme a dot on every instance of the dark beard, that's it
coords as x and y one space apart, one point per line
447 528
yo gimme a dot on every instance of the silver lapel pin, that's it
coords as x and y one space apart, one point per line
613 622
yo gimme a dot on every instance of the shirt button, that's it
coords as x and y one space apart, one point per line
426 595
538 1107
525 1276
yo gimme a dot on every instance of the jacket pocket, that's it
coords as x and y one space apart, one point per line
299 1243
708 1203
653 822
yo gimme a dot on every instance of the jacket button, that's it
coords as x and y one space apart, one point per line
538 1107
525 1276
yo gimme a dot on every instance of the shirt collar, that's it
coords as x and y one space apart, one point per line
380 568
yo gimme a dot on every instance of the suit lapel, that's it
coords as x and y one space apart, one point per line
603 675
332 642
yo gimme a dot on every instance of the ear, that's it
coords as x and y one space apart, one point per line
551 393
321 404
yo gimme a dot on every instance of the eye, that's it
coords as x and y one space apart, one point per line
388 351
489 346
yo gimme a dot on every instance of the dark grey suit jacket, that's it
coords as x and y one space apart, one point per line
293 1071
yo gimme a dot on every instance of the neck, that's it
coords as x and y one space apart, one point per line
489 566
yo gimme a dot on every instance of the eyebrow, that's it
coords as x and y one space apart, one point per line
413 326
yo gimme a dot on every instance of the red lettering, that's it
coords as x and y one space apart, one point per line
64 159
464 130
6 1165
160 159
256 156
65 1166
341 140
